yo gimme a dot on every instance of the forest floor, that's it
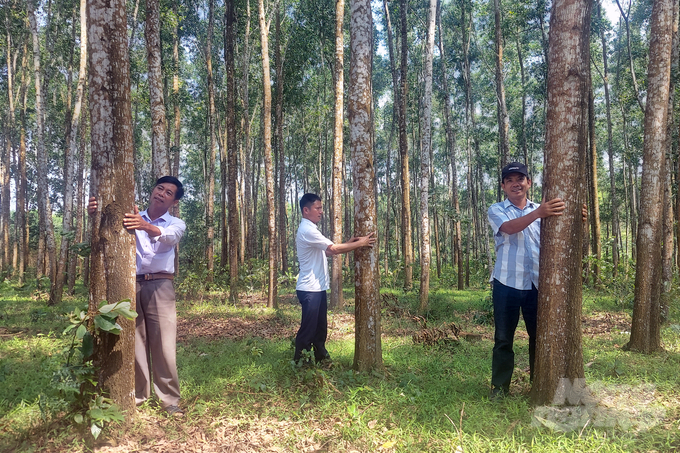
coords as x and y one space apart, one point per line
242 393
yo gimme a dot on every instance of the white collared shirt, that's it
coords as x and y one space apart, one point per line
311 250
157 254
516 254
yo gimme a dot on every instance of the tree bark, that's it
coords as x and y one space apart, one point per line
233 217
337 301
426 146
272 288
645 335
112 272
152 31
559 356
368 346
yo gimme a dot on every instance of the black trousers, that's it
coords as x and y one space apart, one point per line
314 325
507 303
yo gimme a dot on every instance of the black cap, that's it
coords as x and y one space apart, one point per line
514 167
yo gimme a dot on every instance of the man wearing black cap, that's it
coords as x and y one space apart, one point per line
517 233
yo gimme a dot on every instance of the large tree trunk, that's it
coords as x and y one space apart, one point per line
112 276
210 155
336 300
44 206
502 109
367 344
272 288
645 335
249 244
559 356
407 248
152 31
425 148
233 217
70 166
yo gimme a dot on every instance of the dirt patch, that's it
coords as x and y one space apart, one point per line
270 328
605 323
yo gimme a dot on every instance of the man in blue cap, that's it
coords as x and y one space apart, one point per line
516 224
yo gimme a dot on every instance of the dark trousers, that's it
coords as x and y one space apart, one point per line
507 303
314 325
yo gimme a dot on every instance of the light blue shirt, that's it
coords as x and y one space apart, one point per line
157 254
311 250
516 254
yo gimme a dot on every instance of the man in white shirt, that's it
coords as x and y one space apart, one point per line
313 279
157 233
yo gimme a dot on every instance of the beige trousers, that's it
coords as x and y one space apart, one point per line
155 342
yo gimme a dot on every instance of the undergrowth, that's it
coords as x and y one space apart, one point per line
427 398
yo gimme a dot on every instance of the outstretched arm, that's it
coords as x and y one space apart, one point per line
554 207
353 244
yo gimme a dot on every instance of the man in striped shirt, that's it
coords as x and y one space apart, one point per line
516 224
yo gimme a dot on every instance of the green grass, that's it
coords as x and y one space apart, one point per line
246 392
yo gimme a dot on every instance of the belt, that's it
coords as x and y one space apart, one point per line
156 276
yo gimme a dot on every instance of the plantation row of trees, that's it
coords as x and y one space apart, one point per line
432 99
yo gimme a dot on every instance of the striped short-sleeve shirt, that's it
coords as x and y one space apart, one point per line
516 254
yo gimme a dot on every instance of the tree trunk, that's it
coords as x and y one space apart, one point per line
70 166
22 222
8 151
367 345
44 205
112 273
503 118
451 149
426 146
407 247
211 152
668 216
594 201
337 301
233 217
559 356
80 198
152 31
610 153
272 288
645 335
281 228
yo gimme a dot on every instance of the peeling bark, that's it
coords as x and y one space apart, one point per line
368 346
645 335
112 271
559 356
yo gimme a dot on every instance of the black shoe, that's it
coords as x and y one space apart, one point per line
174 411
325 359
498 394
